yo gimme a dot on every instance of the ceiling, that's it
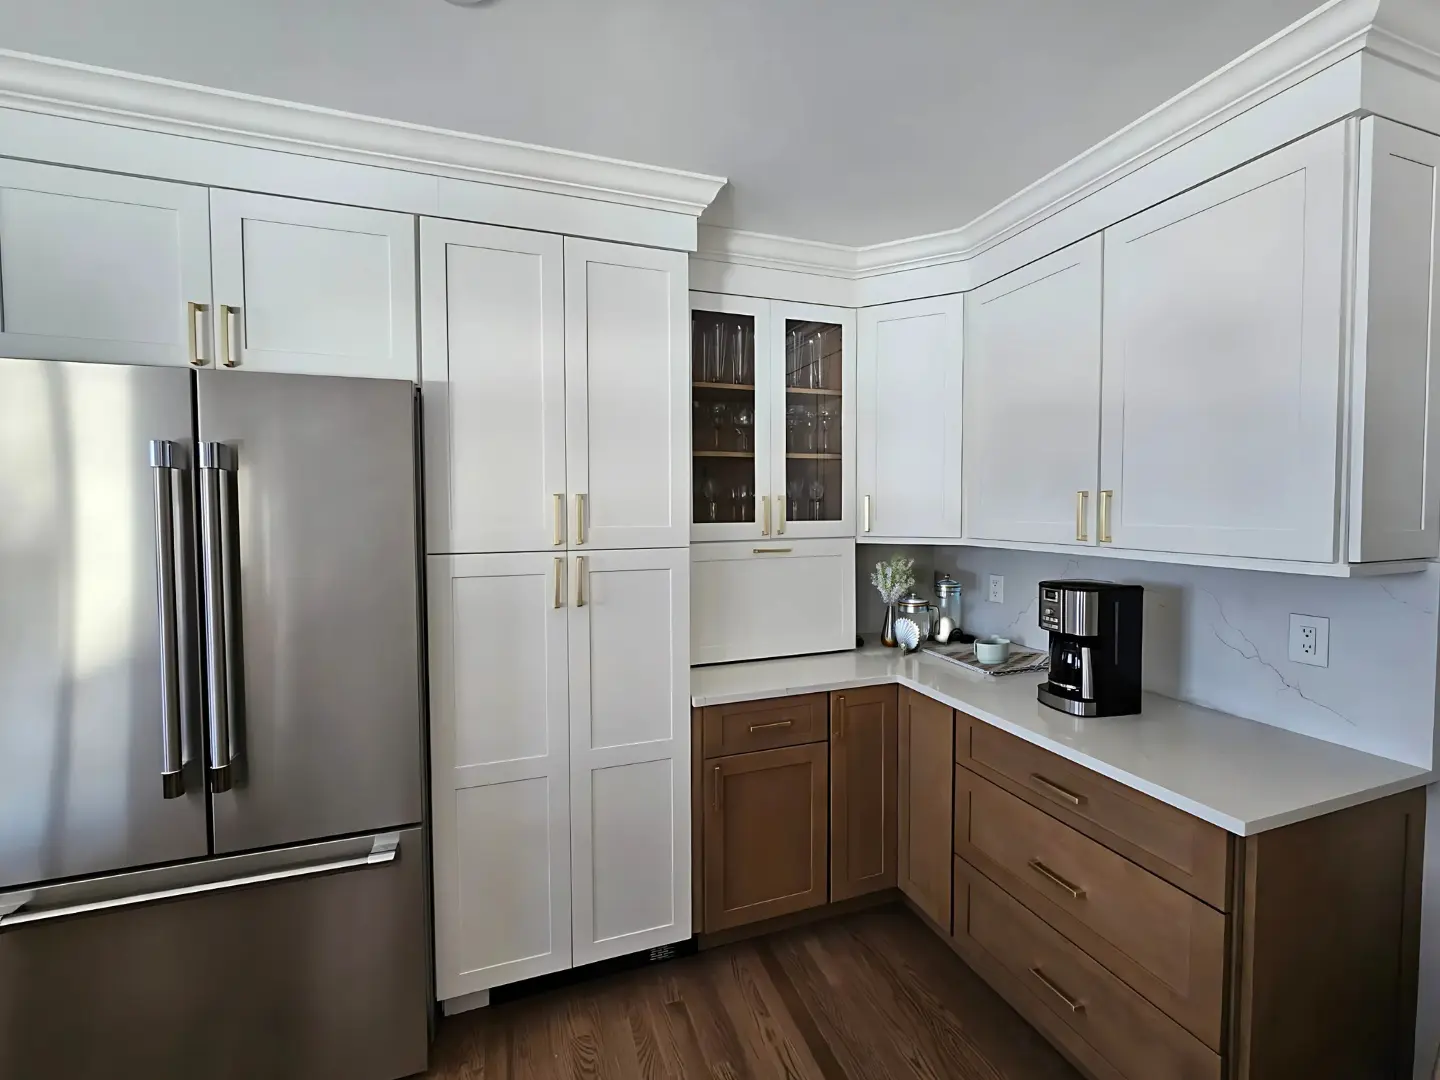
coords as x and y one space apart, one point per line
835 120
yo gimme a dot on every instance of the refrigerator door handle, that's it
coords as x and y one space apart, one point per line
165 463
218 568
383 850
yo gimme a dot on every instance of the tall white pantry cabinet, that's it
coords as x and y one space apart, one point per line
556 396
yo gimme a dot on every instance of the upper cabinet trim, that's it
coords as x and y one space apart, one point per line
1403 32
78 91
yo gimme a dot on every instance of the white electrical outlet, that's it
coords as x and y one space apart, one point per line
1310 640
997 589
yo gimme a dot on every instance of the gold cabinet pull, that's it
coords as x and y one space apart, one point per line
192 316
559 573
771 551
765 525
867 513
840 718
580 581
715 797
779 515
579 519
772 724
1105 497
559 515
1055 879
1056 790
225 329
1071 1003
1082 515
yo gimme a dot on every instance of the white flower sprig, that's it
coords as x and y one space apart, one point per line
894 578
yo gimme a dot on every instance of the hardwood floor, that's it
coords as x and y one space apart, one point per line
872 996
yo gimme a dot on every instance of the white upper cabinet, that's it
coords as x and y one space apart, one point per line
500 751
493 326
312 288
1032 400
95 266
629 750
910 390
1394 498
627 389
1224 310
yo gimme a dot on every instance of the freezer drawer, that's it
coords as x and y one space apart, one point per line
319 975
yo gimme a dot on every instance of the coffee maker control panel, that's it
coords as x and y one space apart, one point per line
1051 606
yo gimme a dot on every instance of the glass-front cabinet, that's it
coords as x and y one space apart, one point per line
773 419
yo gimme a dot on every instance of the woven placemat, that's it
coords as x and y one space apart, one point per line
1020 660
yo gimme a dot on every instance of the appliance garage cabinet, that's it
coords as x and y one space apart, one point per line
1142 941
555 397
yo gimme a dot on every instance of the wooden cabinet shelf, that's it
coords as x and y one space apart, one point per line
723 386
819 391
725 453
814 457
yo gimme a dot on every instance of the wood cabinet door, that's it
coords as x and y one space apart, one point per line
312 288
629 750
627 391
765 834
492 305
910 419
95 266
500 778
1032 401
926 796
864 734
1224 309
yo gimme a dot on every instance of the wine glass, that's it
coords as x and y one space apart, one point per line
793 425
796 491
708 492
742 417
717 420
825 414
817 493
807 427
741 497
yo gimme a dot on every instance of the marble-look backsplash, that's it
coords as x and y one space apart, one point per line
1219 638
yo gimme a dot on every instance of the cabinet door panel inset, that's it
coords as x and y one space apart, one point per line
863 745
632 821
926 794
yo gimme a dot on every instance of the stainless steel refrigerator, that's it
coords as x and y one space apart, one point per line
211 746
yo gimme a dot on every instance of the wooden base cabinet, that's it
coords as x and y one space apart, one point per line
926 750
864 742
766 843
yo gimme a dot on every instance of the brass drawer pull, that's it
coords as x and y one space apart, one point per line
1055 789
772 724
559 519
716 802
1055 879
1105 498
1045 981
1082 505
771 551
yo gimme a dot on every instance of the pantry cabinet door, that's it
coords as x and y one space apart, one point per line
910 391
630 750
1032 400
1224 309
493 360
100 267
627 389
313 288
500 747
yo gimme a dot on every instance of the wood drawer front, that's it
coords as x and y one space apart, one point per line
1179 847
1158 938
746 726
1136 1038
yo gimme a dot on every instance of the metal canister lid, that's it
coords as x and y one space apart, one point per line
912 603
947 585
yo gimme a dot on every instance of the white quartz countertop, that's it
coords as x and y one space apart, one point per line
1241 775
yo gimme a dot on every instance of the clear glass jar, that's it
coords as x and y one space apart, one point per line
949 605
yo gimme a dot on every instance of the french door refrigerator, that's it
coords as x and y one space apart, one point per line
211 859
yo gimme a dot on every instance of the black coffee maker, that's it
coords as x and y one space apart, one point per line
1095 631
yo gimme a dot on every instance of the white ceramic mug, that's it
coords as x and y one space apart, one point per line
992 650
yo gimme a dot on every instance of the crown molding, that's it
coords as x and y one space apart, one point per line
78 91
1406 32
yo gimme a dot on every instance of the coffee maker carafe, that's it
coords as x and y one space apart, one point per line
1095 629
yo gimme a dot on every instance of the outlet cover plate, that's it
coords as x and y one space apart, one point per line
1310 640
997 589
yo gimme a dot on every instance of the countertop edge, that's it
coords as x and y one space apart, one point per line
1233 825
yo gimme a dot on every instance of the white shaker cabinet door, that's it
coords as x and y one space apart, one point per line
95 266
493 364
629 750
1032 400
627 388
1222 361
910 419
499 740
311 288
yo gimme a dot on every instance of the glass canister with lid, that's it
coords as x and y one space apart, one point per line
920 610
949 606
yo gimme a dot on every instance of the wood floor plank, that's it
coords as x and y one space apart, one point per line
869 996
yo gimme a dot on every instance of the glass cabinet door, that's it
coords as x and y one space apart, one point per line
815 487
730 420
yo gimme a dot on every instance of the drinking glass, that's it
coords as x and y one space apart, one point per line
825 415
700 352
708 492
743 417
796 491
741 498
792 358
717 420
816 350
792 426
736 338
817 493
716 337
807 428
